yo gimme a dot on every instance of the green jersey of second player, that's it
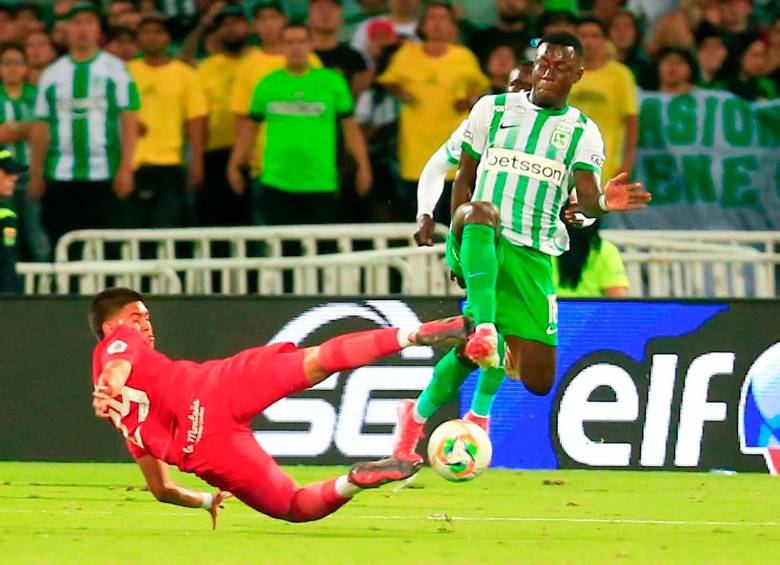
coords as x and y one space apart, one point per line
18 110
302 114
528 156
81 102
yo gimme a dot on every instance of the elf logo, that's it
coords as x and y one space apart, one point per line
614 412
759 409
343 409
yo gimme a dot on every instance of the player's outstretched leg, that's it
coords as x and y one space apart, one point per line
362 348
317 500
448 376
476 226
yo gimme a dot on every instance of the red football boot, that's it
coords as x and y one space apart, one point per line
482 346
372 474
482 421
408 433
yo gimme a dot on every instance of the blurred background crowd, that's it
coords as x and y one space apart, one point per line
175 113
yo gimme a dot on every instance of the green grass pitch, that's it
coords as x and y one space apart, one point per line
98 513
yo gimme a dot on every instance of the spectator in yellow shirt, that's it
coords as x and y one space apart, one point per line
173 103
607 94
270 21
218 205
436 83
592 267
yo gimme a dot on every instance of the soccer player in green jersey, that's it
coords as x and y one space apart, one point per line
521 155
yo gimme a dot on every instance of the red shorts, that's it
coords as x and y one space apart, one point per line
214 435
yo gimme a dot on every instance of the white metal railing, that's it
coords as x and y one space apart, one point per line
239 242
418 272
664 263
658 263
87 277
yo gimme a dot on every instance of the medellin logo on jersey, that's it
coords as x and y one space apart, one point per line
117 346
561 136
759 409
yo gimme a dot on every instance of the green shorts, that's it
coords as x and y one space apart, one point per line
526 306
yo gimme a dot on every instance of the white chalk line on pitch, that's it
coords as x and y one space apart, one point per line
441 518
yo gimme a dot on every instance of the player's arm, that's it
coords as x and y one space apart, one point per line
475 141
431 185
110 382
619 195
165 490
465 181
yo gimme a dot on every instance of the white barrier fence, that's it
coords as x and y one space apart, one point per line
659 263
238 242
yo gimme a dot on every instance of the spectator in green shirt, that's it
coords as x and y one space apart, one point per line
303 108
592 267
17 100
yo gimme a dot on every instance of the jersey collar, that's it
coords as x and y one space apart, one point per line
559 112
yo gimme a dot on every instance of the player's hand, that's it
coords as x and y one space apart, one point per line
364 180
123 183
573 213
425 228
100 401
236 179
219 498
622 195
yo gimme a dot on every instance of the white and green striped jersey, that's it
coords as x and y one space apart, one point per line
528 156
18 109
81 102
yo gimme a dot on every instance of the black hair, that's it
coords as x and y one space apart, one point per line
572 263
28 7
118 31
588 19
433 4
549 17
108 303
710 32
13 47
270 5
297 24
563 38
687 56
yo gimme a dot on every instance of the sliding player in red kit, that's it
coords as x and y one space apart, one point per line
196 415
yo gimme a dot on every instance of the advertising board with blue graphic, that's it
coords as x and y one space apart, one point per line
650 385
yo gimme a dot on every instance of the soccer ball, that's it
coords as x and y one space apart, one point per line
459 450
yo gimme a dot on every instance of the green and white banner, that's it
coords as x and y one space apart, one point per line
711 161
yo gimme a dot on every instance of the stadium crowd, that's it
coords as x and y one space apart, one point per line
175 113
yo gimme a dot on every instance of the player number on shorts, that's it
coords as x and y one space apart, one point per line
552 313
119 410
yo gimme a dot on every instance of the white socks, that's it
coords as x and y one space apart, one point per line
345 488
417 417
404 334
